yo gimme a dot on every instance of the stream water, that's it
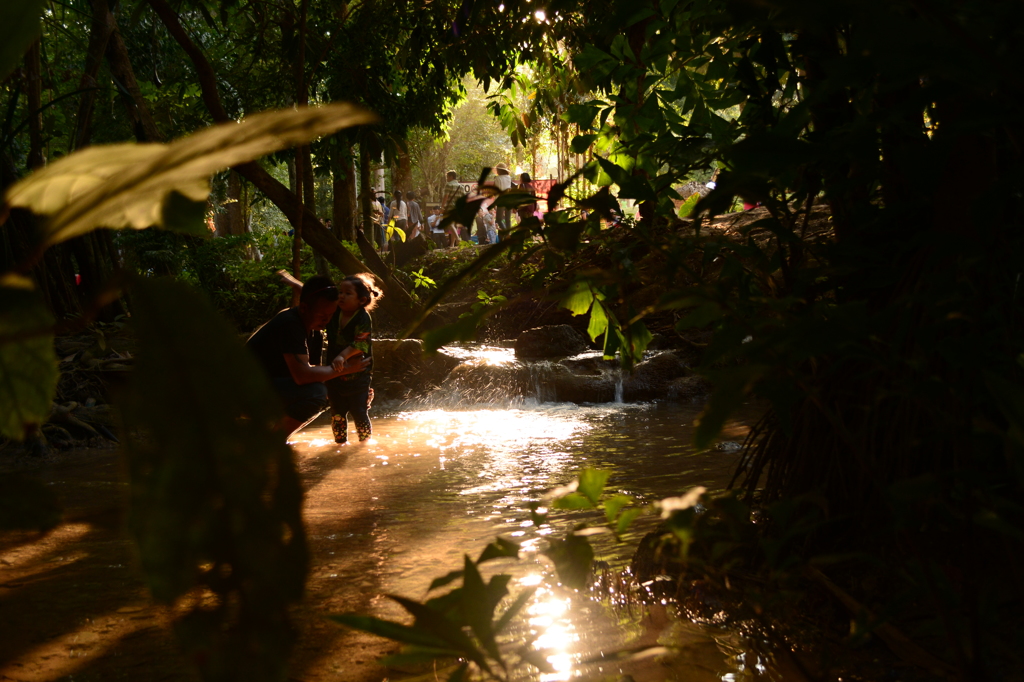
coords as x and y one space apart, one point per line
443 476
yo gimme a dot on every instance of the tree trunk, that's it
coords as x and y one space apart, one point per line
55 273
366 191
398 303
34 90
99 36
343 185
234 220
135 104
403 172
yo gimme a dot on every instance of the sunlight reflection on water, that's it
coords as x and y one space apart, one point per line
449 481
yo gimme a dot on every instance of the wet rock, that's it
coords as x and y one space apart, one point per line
553 341
401 369
691 389
652 378
590 365
575 388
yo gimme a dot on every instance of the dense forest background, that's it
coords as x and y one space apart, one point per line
887 344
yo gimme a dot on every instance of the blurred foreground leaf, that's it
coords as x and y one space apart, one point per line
572 557
19 27
129 185
215 497
28 365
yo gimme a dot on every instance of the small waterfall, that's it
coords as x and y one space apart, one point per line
482 381
477 382
493 377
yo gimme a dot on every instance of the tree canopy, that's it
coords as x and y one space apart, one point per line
885 337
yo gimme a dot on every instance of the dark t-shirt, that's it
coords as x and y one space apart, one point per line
358 333
286 333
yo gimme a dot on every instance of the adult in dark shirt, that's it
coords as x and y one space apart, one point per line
285 344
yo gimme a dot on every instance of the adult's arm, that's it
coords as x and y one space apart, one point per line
304 373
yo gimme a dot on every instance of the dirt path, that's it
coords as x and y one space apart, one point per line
73 605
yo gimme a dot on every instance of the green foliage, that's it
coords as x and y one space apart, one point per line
421 281
462 623
216 500
19 27
245 290
28 366
139 186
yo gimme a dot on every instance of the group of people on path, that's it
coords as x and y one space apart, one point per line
405 213
490 220
308 377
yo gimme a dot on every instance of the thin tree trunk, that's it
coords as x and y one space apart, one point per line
403 172
99 36
366 192
135 104
34 90
343 184
233 208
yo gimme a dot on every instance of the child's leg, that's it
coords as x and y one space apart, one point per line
339 425
360 409
339 408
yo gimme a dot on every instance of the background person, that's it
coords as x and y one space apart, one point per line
503 181
526 210
434 224
415 216
453 191
399 211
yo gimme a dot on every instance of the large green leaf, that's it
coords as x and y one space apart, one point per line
477 609
514 608
395 631
436 622
572 558
28 365
19 27
578 297
592 483
130 185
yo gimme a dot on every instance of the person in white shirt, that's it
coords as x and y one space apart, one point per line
503 181
434 223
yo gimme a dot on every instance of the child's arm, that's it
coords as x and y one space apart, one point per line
343 357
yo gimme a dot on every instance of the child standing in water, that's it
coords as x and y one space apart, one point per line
349 335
